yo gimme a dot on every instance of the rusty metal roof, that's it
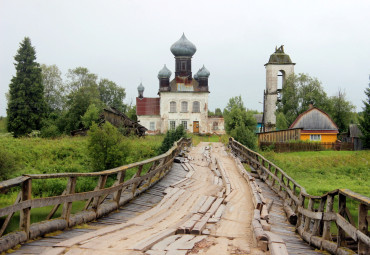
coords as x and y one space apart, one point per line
148 106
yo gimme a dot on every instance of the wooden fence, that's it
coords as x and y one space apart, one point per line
314 215
94 208
306 146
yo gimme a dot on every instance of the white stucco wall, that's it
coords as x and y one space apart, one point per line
189 116
272 72
145 121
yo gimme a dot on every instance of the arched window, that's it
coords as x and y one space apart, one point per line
215 125
173 106
184 106
196 106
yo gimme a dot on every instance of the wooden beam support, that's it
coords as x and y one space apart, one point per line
363 226
67 207
326 235
341 239
25 216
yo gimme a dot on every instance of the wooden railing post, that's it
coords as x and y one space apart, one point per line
134 185
95 200
117 195
329 208
316 226
363 227
25 214
307 220
341 241
67 207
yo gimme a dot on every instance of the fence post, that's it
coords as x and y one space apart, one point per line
329 208
341 241
67 207
135 184
363 227
117 195
25 214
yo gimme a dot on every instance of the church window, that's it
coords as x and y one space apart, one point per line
215 125
196 106
184 123
184 106
172 106
172 124
183 66
152 126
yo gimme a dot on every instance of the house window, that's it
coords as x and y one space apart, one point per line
152 126
184 123
172 106
172 124
315 137
215 125
184 106
196 106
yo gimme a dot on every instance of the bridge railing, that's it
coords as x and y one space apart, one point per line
317 220
94 208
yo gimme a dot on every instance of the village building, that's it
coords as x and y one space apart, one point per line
181 101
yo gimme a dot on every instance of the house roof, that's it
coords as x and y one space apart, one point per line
148 106
314 119
258 117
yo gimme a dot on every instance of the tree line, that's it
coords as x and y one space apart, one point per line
39 99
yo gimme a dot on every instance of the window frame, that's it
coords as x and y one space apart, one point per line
182 106
173 107
316 137
194 108
186 124
152 128
170 124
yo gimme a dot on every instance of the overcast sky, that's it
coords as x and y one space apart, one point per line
129 41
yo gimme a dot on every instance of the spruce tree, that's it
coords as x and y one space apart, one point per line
365 121
26 105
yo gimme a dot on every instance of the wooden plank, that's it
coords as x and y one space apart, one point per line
180 244
187 226
25 216
363 225
200 225
199 204
207 204
162 245
7 220
150 241
67 207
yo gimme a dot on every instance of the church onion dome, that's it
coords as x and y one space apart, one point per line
203 73
164 73
140 88
183 48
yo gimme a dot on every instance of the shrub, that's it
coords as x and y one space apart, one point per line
8 164
171 137
105 147
244 135
91 115
50 131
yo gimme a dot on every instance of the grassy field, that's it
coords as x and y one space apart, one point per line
196 139
323 171
2 125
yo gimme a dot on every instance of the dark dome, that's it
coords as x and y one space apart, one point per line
183 48
164 73
203 72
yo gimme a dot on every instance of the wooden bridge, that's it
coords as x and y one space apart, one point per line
190 200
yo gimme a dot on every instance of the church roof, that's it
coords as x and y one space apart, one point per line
279 57
183 47
148 106
203 72
164 73
315 119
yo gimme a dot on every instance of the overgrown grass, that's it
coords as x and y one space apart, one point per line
65 154
322 171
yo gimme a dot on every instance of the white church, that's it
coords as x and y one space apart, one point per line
181 101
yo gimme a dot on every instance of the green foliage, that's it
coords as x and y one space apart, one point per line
112 95
26 105
131 112
54 89
365 121
91 115
171 137
218 112
50 131
240 123
8 164
341 111
281 121
323 171
106 149
300 90
3 124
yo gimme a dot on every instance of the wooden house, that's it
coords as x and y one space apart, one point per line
316 125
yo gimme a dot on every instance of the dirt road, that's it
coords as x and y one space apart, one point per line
208 212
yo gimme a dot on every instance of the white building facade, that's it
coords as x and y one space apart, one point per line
181 101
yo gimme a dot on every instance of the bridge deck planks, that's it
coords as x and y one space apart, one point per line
142 203
281 226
